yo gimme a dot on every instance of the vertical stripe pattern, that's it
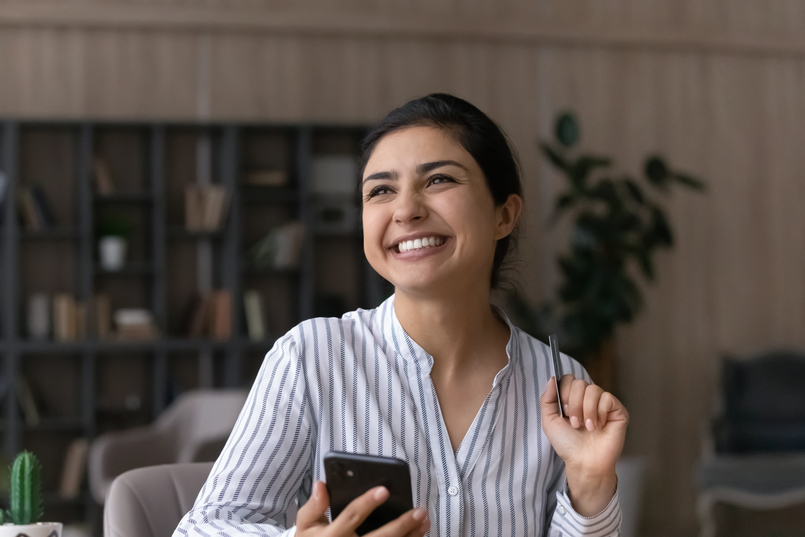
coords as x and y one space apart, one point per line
360 384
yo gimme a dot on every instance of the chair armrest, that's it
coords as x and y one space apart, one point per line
112 454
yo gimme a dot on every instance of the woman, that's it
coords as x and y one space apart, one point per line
435 375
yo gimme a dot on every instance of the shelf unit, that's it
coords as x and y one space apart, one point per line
152 163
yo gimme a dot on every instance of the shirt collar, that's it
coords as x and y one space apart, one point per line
405 345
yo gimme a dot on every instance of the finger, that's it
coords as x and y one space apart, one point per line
592 398
575 406
548 400
358 509
409 523
314 512
611 409
564 390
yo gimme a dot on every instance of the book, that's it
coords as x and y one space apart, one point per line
75 464
80 320
25 396
104 185
193 207
214 203
199 322
64 318
275 178
222 314
44 212
255 315
3 190
27 209
38 316
102 315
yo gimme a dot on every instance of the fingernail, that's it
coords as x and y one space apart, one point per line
564 407
380 494
419 514
590 425
574 422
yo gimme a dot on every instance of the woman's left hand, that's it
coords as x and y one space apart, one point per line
589 439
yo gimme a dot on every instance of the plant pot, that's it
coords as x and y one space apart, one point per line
631 472
40 529
112 252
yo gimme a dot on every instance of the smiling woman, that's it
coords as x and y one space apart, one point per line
435 376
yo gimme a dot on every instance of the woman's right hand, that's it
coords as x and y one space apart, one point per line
311 520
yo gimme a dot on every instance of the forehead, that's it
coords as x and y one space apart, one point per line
412 146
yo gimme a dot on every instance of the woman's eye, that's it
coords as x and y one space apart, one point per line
440 179
378 191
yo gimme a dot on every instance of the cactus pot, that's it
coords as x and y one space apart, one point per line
40 529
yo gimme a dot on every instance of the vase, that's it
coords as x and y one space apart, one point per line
40 529
112 252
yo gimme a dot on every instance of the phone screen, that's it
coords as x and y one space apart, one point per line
349 475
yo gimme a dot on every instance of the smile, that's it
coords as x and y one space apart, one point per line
417 244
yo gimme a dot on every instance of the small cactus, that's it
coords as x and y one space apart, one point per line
26 489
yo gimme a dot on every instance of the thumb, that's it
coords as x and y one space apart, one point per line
549 402
314 512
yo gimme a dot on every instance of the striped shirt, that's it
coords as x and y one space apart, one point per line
360 384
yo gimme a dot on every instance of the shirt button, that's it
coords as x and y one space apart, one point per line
452 491
561 509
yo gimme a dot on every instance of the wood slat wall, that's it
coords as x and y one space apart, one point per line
718 86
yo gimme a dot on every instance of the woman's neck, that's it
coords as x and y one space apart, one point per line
460 333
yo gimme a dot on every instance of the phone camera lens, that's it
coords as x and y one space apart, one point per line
350 473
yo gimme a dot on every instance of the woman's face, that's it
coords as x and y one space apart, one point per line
429 221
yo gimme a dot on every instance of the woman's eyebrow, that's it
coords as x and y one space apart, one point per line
381 176
429 166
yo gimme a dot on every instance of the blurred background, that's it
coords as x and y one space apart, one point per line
211 135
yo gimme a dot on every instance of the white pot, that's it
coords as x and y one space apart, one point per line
40 529
112 252
631 471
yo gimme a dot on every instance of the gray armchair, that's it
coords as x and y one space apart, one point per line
150 502
755 451
193 429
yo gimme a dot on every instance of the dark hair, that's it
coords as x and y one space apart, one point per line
478 135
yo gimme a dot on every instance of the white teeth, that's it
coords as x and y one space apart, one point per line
419 243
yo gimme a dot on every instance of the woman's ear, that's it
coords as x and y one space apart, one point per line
507 216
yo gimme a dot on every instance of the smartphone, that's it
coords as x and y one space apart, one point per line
557 368
349 475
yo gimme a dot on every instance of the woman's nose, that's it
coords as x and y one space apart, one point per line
409 208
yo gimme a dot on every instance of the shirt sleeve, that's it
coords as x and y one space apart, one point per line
265 464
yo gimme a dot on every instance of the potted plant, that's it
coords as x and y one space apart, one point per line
616 228
26 502
112 243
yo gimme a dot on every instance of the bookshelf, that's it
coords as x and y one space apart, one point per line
91 385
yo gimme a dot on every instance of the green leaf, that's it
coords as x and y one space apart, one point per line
634 191
567 130
646 265
555 158
657 171
580 170
690 182
661 229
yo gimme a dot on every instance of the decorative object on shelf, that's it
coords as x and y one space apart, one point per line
102 315
39 316
26 507
335 216
268 178
205 207
112 243
135 324
616 228
104 185
209 315
279 249
255 314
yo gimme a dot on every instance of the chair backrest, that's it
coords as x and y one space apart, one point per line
150 501
200 417
764 404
